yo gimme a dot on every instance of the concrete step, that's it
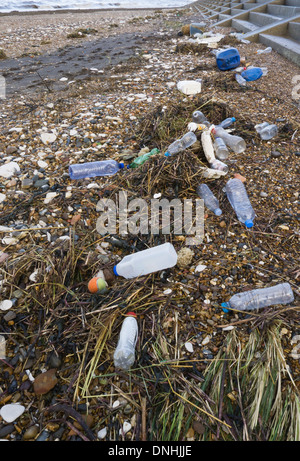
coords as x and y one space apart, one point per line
292 2
286 46
283 11
294 30
243 26
262 19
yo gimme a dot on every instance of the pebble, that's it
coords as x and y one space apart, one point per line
48 138
275 153
27 183
102 433
8 429
31 432
200 268
189 347
11 412
2 197
44 382
126 428
263 194
9 169
11 150
297 153
5 305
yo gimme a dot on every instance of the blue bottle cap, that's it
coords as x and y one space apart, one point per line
128 166
218 211
248 223
115 270
167 154
121 165
233 119
224 307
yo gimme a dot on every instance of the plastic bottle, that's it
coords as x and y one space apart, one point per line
124 355
228 59
266 131
218 165
210 201
221 150
199 117
238 198
147 261
196 28
236 143
262 297
252 73
227 122
266 50
140 160
208 147
181 144
241 81
89 170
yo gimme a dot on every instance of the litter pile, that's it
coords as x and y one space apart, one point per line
108 333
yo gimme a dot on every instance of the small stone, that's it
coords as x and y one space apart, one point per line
102 433
189 347
275 153
11 150
42 164
200 268
5 305
222 224
2 197
184 257
27 183
31 433
263 194
240 177
9 169
297 153
206 340
48 138
126 428
44 382
9 316
11 412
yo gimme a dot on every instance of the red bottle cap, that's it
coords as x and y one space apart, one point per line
131 314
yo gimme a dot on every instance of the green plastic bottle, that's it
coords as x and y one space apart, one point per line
138 161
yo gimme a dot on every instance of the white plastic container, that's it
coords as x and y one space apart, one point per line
147 261
124 355
189 87
208 147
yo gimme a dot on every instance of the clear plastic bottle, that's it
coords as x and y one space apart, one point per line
210 201
236 143
147 261
227 122
181 144
221 150
124 355
199 117
262 297
266 131
241 81
218 165
238 198
266 50
89 170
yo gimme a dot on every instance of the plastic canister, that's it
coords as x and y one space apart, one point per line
253 73
228 59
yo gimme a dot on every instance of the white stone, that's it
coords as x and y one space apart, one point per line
50 196
5 305
206 340
200 268
126 427
189 347
42 164
9 169
102 433
167 291
9 241
230 327
11 412
48 138
2 197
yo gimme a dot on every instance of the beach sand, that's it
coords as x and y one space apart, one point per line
108 94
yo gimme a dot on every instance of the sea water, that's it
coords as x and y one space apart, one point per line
7 6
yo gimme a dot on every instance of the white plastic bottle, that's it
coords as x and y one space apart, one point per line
147 261
210 201
236 143
208 147
124 355
181 144
262 297
221 150
239 200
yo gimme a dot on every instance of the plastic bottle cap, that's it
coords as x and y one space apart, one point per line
115 270
218 212
121 165
224 307
96 285
167 154
128 166
248 223
233 119
131 314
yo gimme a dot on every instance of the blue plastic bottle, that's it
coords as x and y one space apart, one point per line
228 59
92 169
254 73
227 122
